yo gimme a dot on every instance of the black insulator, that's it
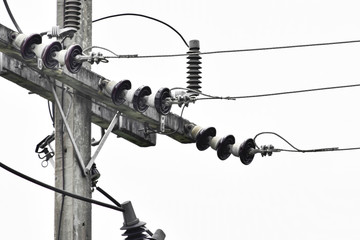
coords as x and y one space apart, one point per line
134 228
245 155
202 139
117 93
138 101
138 233
224 150
160 101
194 67
72 14
26 47
71 63
48 54
158 235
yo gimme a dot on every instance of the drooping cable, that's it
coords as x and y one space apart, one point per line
295 149
144 16
11 16
51 112
44 185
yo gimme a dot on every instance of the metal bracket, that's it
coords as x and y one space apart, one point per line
40 64
81 161
2 70
162 123
103 139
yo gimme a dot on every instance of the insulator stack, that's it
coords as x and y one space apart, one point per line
138 233
72 15
194 67
134 228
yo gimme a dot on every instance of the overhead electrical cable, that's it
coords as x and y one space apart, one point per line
236 50
144 16
295 149
11 16
89 200
209 97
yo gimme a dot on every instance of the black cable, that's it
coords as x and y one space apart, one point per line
108 196
81 198
144 16
51 112
11 16
242 50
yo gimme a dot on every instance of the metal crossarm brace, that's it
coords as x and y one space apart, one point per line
80 159
103 139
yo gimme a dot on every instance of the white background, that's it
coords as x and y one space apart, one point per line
192 194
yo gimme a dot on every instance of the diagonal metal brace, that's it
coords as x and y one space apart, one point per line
80 159
103 139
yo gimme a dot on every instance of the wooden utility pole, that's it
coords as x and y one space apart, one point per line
73 217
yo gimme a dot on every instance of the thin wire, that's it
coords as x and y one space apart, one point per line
144 16
11 16
273 133
37 182
244 50
281 47
50 112
106 49
295 149
210 97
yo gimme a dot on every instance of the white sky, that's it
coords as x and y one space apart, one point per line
192 194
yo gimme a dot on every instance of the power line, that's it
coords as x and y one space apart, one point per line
238 50
44 185
11 16
209 97
144 16
295 149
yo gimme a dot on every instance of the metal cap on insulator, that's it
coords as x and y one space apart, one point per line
203 138
224 147
194 44
130 219
134 228
138 100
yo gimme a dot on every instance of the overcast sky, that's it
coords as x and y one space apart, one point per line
192 194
